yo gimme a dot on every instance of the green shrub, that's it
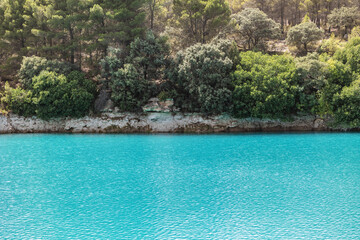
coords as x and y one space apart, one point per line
201 78
32 66
130 91
51 95
330 45
350 54
149 56
110 65
347 105
56 95
265 86
18 100
338 76
311 73
355 33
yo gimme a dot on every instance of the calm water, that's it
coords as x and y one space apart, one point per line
275 186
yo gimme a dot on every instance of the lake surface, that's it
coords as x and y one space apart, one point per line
250 186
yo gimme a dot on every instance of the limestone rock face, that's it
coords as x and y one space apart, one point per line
159 123
5 126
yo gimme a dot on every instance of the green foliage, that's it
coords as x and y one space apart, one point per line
13 35
18 100
338 76
110 64
331 45
303 35
202 79
138 77
347 105
355 33
150 56
79 32
32 66
201 20
311 73
350 54
52 95
344 18
265 86
130 91
58 96
124 20
254 27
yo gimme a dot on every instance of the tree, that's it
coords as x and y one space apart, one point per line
56 95
52 95
13 35
313 9
33 66
350 54
311 72
266 86
303 34
331 45
144 68
344 18
152 5
18 100
254 27
236 5
338 76
130 91
201 78
150 56
347 105
201 20
125 20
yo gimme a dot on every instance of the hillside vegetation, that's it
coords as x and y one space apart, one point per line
247 58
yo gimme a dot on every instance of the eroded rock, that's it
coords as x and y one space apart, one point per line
159 123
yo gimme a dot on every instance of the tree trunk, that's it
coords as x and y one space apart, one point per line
72 51
152 10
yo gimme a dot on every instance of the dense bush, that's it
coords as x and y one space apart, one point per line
338 76
311 72
350 55
18 100
265 86
331 45
32 66
347 105
56 95
201 78
52 95
130 90
303 35
110 64
150 56
136 78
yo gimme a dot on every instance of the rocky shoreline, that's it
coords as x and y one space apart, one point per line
162 123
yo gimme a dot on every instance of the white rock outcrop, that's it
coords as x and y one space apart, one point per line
157 123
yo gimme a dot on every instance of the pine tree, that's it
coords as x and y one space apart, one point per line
201 20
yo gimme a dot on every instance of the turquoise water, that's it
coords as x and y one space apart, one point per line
251 186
